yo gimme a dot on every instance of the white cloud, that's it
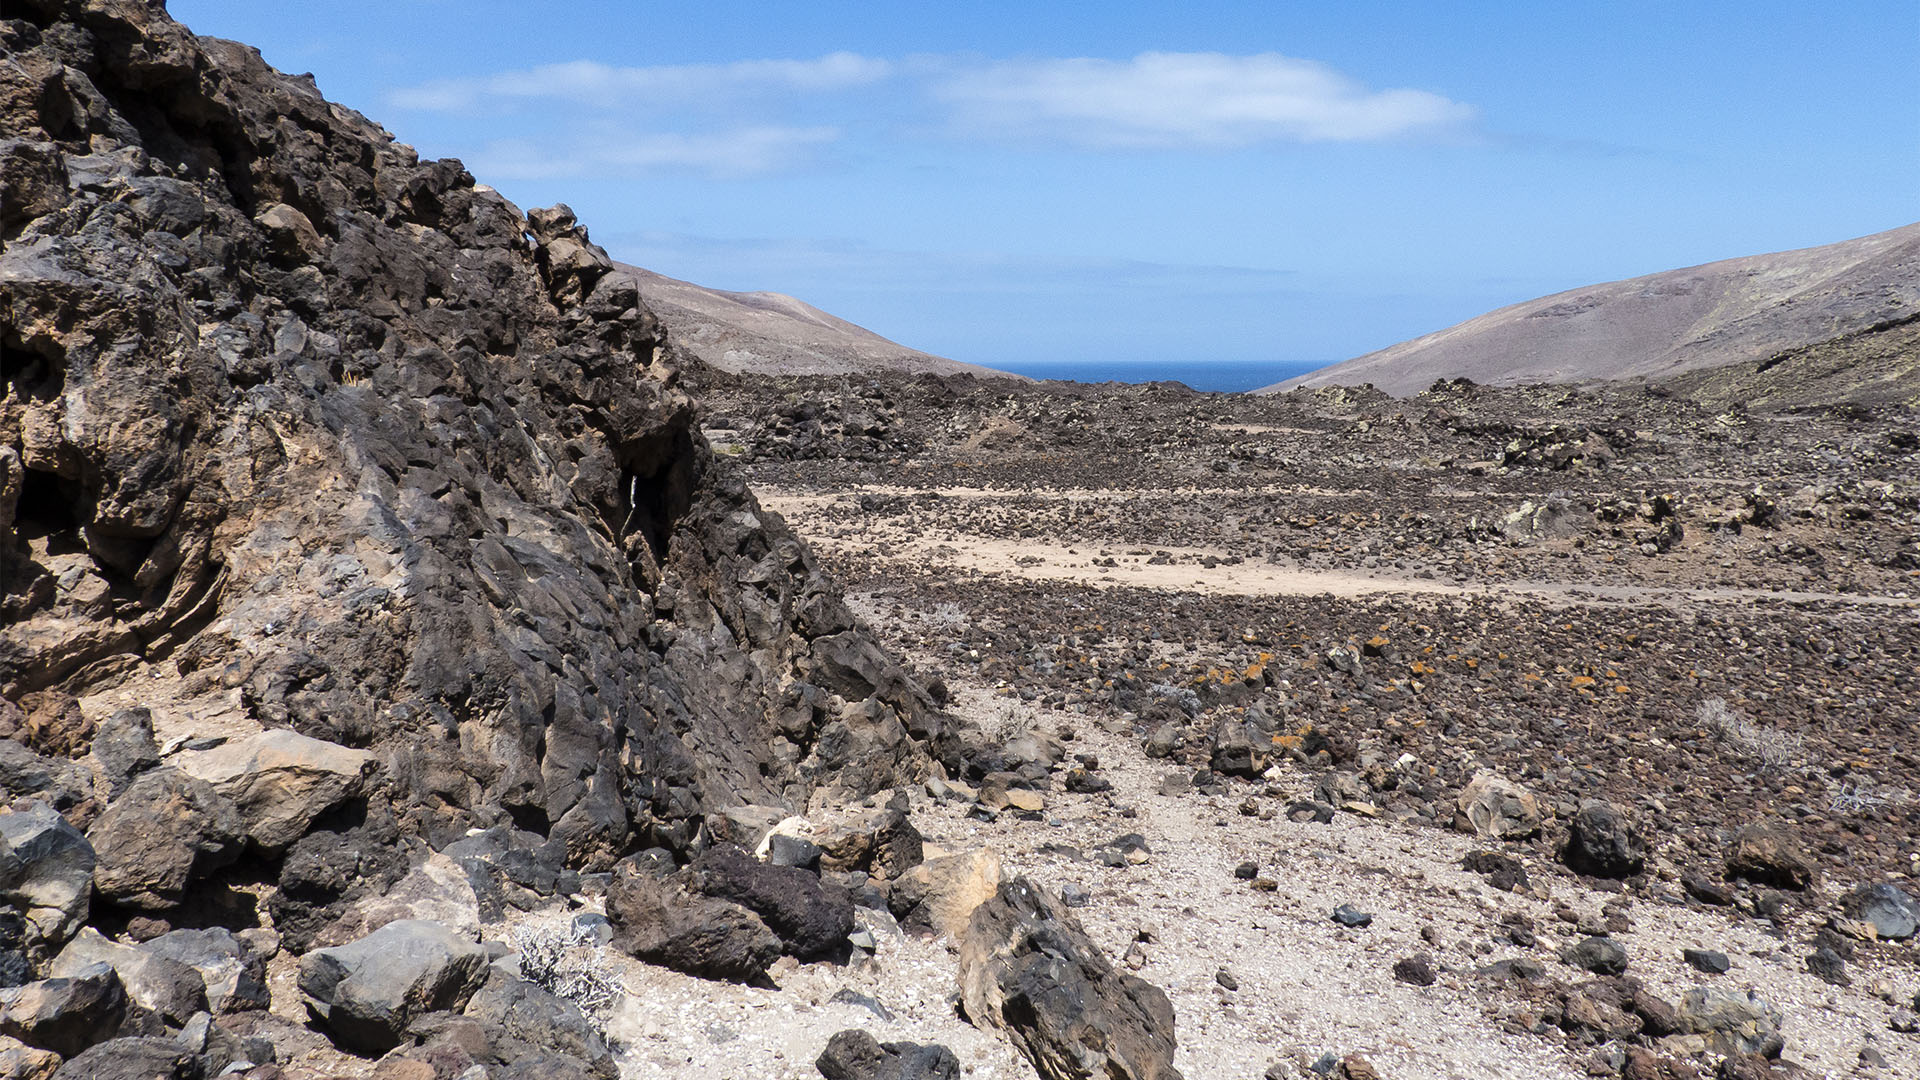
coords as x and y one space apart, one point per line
752 117
603 86
729 154
1189 100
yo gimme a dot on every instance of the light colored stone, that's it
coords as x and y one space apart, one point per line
46 871
281 780
1025 801
941 894
291 230
437 890
364 994
1495 807
18 1061
156 983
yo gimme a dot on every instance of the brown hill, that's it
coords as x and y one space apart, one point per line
769 333
1737 311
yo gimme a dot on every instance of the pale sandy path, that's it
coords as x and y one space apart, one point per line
796 502
1075 564
1306 983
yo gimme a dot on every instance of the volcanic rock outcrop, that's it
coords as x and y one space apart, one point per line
302 434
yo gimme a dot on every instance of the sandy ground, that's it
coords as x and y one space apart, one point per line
1306 983
1181 568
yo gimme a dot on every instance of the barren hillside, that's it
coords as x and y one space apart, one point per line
1737 311
768 333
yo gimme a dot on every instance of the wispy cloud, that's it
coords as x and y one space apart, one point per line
730 154
750 262
604 86
753 117
1159 100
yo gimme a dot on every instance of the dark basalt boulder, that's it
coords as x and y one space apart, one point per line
528 1013
65 1015
1028 968
123 748
138 1058
449 1044
657 919
1771 855
812 918
1602 841
855 1055
287 411
165 831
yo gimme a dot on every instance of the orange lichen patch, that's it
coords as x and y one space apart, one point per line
1421 667
1378 641
1581 682
1472 663
1287 742
1530 677
1623 688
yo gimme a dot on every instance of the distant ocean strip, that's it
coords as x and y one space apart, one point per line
1221 376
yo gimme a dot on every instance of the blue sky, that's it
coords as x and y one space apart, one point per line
1269 183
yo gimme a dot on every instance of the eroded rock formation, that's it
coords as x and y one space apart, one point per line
298 431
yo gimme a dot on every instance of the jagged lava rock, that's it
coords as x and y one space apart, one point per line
812 918
166 830
46 872
855 1055
659 920
291 413
366 993
1028 968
